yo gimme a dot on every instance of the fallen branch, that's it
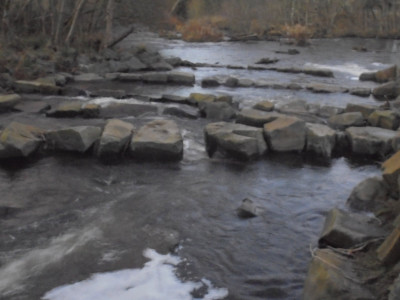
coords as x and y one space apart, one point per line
121 37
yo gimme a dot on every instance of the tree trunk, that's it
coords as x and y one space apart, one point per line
109 21
75 16
60 17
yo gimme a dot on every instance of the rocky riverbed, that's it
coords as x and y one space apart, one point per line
135 107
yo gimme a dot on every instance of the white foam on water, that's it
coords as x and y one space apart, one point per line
13 274
106 101
155 281
348 68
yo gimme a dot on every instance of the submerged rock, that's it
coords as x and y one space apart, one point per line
114 139
19 140
77 139
320 139
240 141
186 111
285 134
158 140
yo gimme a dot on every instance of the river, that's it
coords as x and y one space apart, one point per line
75 216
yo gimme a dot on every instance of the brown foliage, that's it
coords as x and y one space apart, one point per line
299 33
199 30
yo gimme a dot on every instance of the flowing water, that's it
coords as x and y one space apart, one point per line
75 217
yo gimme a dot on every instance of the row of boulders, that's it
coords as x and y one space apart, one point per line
359 255
287 129
157 140
321 88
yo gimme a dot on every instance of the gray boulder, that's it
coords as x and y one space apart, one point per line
247 209
240 141
155 77
328 111
371 141
187 112
320 139
218 111
297 106
19 140
264 106
28 87
184 78
88 77
77 139
210 82
285 134
361 92
255 117
387 91
231 82
109 93
68 109
365 109
8 102
346 120
387 119
129 77
345 230
369 195
174 99
197 98
158 140
114 139
325 88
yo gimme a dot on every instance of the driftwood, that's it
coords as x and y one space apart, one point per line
121 37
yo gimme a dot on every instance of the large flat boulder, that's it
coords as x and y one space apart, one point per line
158 140
28 87
385 119
114 139
365 109
345 120
285 134
76 139
370 141
178 77
237 140
345 230
217 111
118 110
325 88
332 277
68 109
255 117
321 139
8 102
369 195
19 140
